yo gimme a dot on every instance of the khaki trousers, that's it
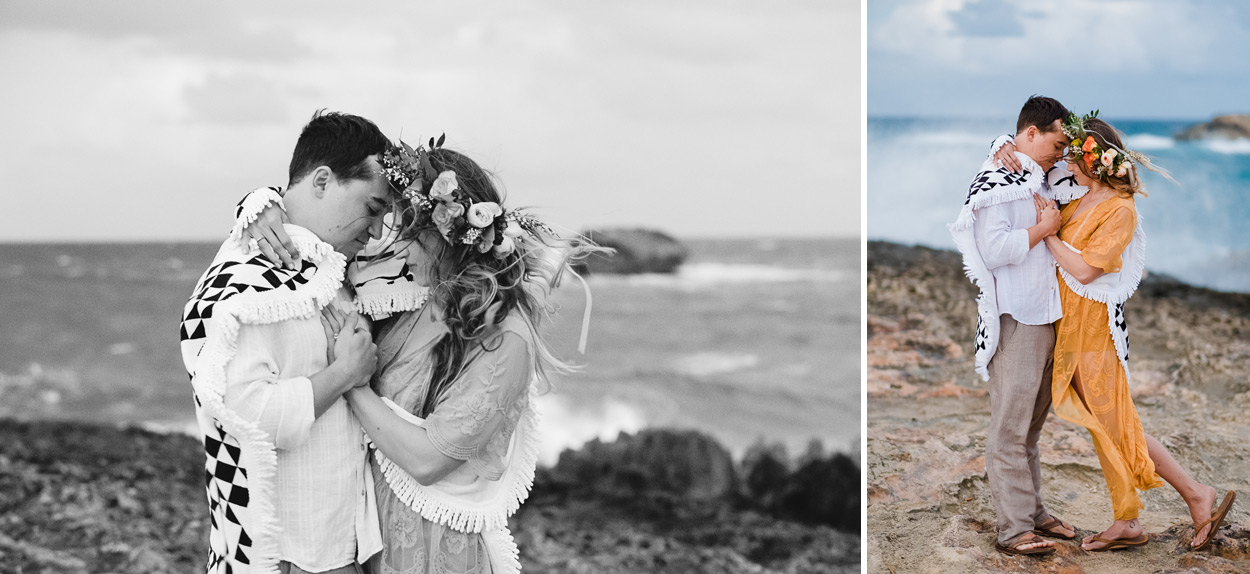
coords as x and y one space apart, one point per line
1020 374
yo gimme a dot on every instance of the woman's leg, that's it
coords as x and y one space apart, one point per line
1130 528
1199 497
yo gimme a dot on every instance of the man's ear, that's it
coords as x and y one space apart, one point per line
321 177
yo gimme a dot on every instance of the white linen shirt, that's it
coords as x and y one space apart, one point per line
1025 281
323 488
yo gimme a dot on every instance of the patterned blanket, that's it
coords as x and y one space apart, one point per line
242 287
993 185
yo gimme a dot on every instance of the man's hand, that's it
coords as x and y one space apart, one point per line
1006 157
274 243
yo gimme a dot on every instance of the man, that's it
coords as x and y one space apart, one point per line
1000 232
289 488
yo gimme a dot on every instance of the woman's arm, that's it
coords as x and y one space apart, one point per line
403 442
470 423
259 216
1072 262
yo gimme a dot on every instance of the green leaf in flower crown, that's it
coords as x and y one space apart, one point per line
440 140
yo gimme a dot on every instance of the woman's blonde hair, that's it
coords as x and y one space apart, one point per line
1109 138
476 291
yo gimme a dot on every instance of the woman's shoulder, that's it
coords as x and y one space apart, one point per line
517 326
1123 202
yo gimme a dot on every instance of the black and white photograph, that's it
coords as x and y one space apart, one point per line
415 287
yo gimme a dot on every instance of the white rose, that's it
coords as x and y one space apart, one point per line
444 185
505 247
512 230
1123 171
1108 157
444 214
483 214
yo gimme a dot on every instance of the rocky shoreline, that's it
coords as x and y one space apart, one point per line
929 507
78 498
1223 127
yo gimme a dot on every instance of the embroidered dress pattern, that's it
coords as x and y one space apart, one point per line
485 418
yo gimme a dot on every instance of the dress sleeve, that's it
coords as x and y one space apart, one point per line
1108 241
475 420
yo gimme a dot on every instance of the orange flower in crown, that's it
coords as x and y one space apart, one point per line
1102 163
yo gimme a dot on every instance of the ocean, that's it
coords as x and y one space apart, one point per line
919 170
753 339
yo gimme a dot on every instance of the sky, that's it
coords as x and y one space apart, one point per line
1144 59
148 120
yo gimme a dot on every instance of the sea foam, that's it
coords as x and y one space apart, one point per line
1149 142
707 275
713 363
1239 146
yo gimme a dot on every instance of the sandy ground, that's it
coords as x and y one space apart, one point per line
929 506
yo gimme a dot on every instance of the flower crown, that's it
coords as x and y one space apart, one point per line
1103 163
485 225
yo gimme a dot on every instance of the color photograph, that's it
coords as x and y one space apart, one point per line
1058 287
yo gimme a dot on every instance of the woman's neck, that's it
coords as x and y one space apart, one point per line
1100 189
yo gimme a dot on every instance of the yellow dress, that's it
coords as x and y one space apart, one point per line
1083 345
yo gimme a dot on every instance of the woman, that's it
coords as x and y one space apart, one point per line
1100 252
450 411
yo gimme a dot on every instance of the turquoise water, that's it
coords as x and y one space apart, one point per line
752 338
919 169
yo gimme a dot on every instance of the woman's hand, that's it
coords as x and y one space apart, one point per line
273 240
1006 157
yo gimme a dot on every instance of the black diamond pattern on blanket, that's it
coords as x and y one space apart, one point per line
1122 324
982 338
987 180
225 480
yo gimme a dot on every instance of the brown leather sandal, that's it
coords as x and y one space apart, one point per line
1118 543
1051 527
1215 521
1026 538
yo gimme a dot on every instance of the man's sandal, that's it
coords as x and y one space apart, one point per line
1215 521
1053 529
1026 538
1118 543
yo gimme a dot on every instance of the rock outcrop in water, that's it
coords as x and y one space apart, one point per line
929 506
79 498
1222 127
637 251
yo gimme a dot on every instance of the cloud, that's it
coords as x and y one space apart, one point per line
234 99
639 113
942 57
987 19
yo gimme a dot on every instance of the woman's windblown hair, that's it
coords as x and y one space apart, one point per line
1108 138
477 288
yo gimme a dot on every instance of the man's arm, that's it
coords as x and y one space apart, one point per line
285 408
1002 244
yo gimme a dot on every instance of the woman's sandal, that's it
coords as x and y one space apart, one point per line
1026 538
1215 521
1051 528
1118 543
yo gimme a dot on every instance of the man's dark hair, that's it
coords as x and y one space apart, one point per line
1042 112
339 141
